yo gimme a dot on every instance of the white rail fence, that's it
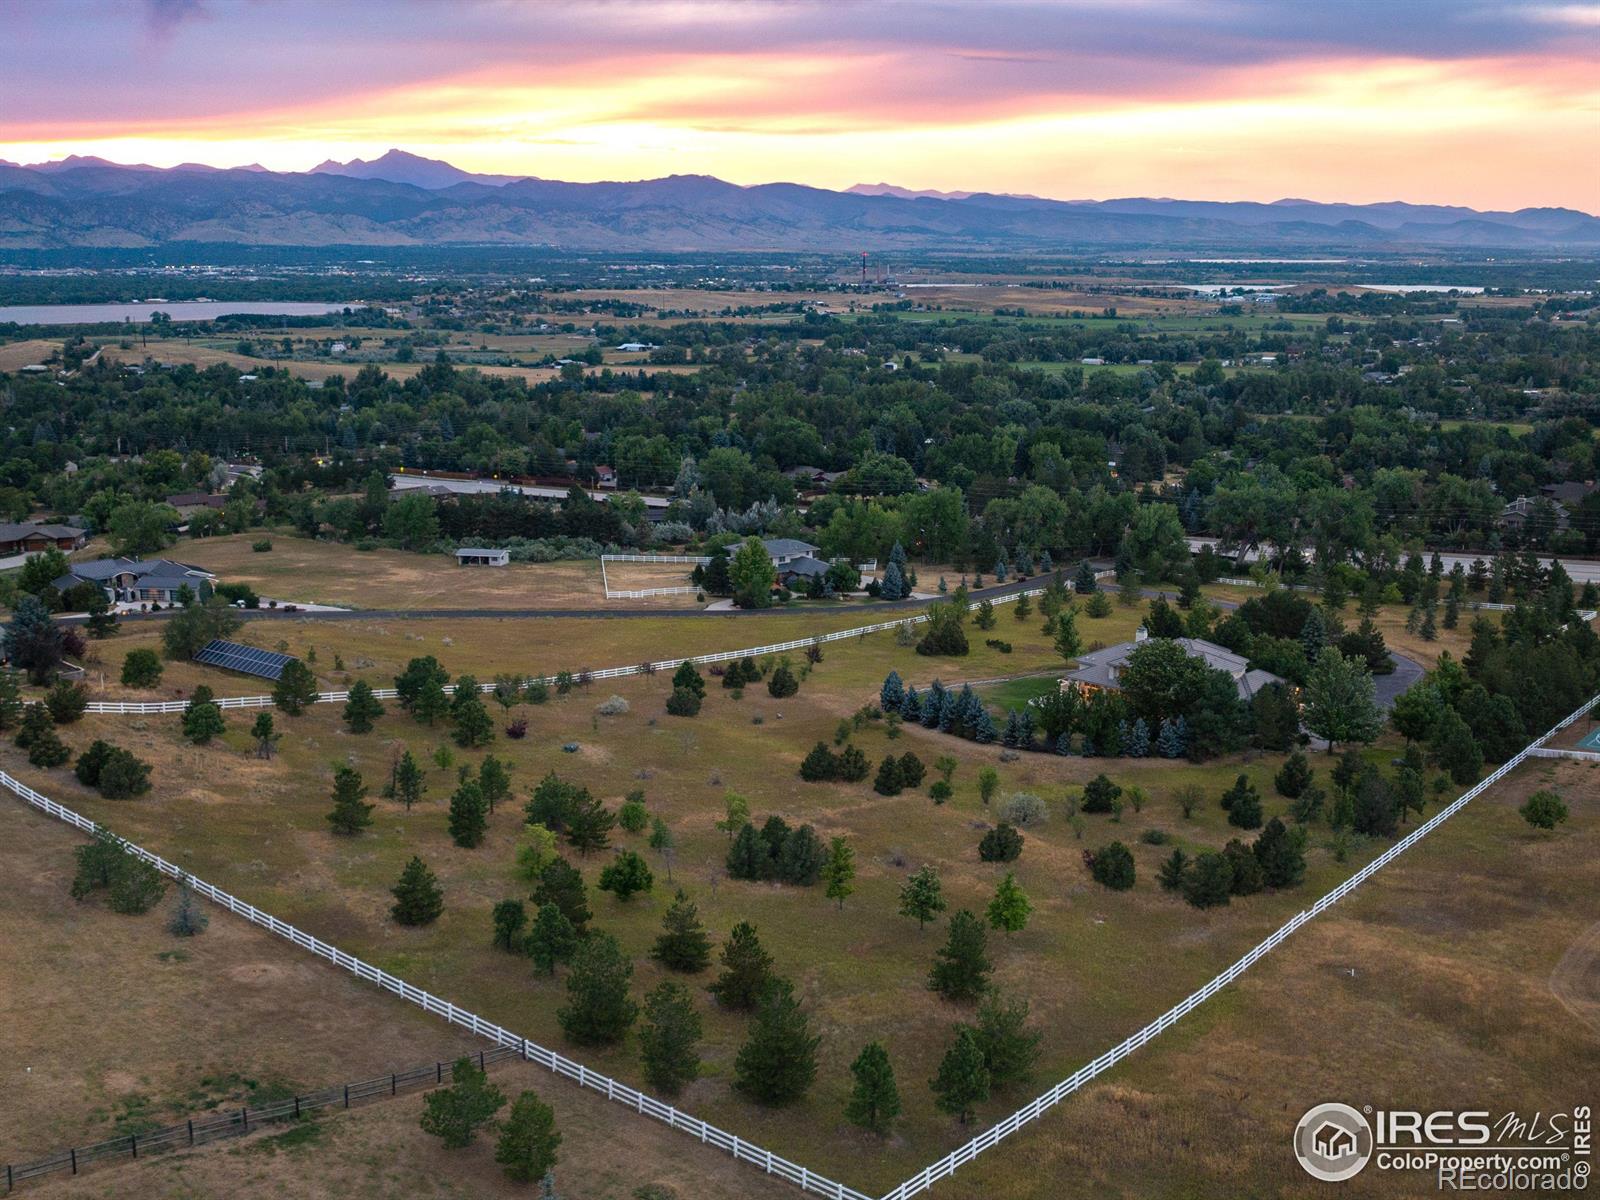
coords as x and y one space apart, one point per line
642 593
145 707
620 1093
1565 752
922 1180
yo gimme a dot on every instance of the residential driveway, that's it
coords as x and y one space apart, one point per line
1386 687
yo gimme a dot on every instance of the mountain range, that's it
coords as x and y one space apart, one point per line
402 199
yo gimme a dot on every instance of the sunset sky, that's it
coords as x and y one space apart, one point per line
1476 102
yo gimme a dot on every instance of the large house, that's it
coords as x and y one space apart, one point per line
140 580
31 538
794 560
1099 670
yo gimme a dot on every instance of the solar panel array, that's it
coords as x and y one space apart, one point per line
247 660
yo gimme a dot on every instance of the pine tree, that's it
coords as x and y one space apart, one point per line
875 1100
362 708
296 688
265 735
1293 777
963 1080
551 939
408 783
1069 643
687 677
1009 909
669 1038
510 918
922 896
961 967
682 944
1454 750
473 725
887 782
598 1011
1281 854
1009 1047
202 719
839 872
561 884
1084 582
351 814
494 781
892 693
528 1140
1173 871
457 1112
746 967
820 765
468 816
589 823
911 706
418 900
188 918
10 699
626 875
748 857
779 1061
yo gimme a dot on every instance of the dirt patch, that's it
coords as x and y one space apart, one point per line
1576 980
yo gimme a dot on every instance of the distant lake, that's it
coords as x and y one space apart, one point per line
180 310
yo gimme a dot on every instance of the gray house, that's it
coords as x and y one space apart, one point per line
1100 670
784 551
140 580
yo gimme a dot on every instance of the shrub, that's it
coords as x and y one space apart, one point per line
141 668
1024 809
612 706
1002 844
783 682
1293 777
518 729
683 702
261 545
66 701
1100 795
941 791
1112 866
888 781
912 771
633 816
1544 810
1155 837
997 644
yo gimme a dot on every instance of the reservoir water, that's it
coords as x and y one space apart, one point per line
178 310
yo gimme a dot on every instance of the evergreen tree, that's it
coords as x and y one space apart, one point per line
1172 741
10 699
748 857
589 823
875 1100
351 814
1009 909
266 737
682 944
598 1011
1339 704
892 693
1209 881
782 682
1243 804
456 1113
408 782
561 884
528 1140
888 782
961 967
1281 854
1083 581
1003 844
551 939
1454 750
779 1061
202 719
1009 1047
690 679
418 900
669 1038
922 896
1112 867
746 968
963 1080
362 708
626 875
469 819
510 918
1294 777
801 858
1069 643
494 781
1173 871
473 725
839 872
296 688
911 706
820 765
188 918
33 641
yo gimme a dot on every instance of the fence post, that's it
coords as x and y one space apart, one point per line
347 1095
244 1115
133 1141
297 1108
191 1131
393 1083
74 1153
438 1073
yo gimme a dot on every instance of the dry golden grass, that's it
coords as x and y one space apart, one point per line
107 1021
1467 974
16 355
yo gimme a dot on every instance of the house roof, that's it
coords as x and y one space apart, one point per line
1102 668
784 547
156 570
10 532
805 565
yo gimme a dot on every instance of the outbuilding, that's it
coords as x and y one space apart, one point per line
475 556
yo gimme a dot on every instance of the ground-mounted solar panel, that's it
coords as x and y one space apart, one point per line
247 660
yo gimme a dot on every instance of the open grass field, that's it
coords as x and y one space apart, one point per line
171 1028
1094 964
1465 975
307 571
16 355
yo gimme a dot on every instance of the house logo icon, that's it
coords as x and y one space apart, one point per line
1333 1142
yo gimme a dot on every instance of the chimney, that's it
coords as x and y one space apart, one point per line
1140 634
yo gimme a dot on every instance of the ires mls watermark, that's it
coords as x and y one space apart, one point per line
1471 1150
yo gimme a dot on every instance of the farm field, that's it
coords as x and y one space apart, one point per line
1465 974
1094 964
236 1015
